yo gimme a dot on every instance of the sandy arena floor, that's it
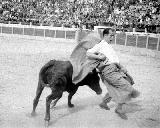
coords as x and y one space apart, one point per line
20 62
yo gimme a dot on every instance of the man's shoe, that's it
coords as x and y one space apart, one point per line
104 106
122 115
135 93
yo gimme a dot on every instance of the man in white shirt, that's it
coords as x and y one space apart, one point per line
112 73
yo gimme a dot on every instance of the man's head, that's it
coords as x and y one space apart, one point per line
108 34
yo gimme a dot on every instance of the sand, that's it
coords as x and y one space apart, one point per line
20 62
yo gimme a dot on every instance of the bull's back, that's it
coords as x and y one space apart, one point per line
57 69
64 67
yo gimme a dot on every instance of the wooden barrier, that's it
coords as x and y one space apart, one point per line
42 31
135 39
141 40
121 38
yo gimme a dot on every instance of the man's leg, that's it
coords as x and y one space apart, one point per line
105 100
119 111
124 92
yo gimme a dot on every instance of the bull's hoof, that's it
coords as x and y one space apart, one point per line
33 113
70 105
46 124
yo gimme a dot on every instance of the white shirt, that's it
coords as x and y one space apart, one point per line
106 49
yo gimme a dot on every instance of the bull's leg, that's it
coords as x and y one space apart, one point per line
36 99
55 102
55 94
70 97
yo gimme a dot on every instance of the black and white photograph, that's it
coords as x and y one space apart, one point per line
79 63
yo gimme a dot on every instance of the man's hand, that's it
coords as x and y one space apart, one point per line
101 56
96 56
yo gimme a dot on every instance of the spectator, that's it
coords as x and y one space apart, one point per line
124 13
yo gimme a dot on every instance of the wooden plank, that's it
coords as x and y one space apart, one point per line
141 41
152 43
120 39
7 30
17 30
39 32
70 34
60 34
29 31
131 40
49 33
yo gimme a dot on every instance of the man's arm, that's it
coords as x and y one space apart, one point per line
123 69
96 55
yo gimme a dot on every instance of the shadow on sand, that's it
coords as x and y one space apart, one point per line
80 105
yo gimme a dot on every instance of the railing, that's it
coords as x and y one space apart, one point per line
135 39
41 31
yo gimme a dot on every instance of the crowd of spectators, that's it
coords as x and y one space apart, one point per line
126 14
139 15
25 11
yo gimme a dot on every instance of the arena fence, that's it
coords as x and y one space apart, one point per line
135 39
39 31
139 40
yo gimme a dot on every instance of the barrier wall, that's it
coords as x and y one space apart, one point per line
135 39
42 31
140 40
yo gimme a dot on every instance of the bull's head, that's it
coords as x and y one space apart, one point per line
93 80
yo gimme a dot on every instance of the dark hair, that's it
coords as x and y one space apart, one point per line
106 31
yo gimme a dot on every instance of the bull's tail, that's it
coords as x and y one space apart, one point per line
41 85
36 99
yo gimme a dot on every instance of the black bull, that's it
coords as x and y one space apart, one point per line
58 76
